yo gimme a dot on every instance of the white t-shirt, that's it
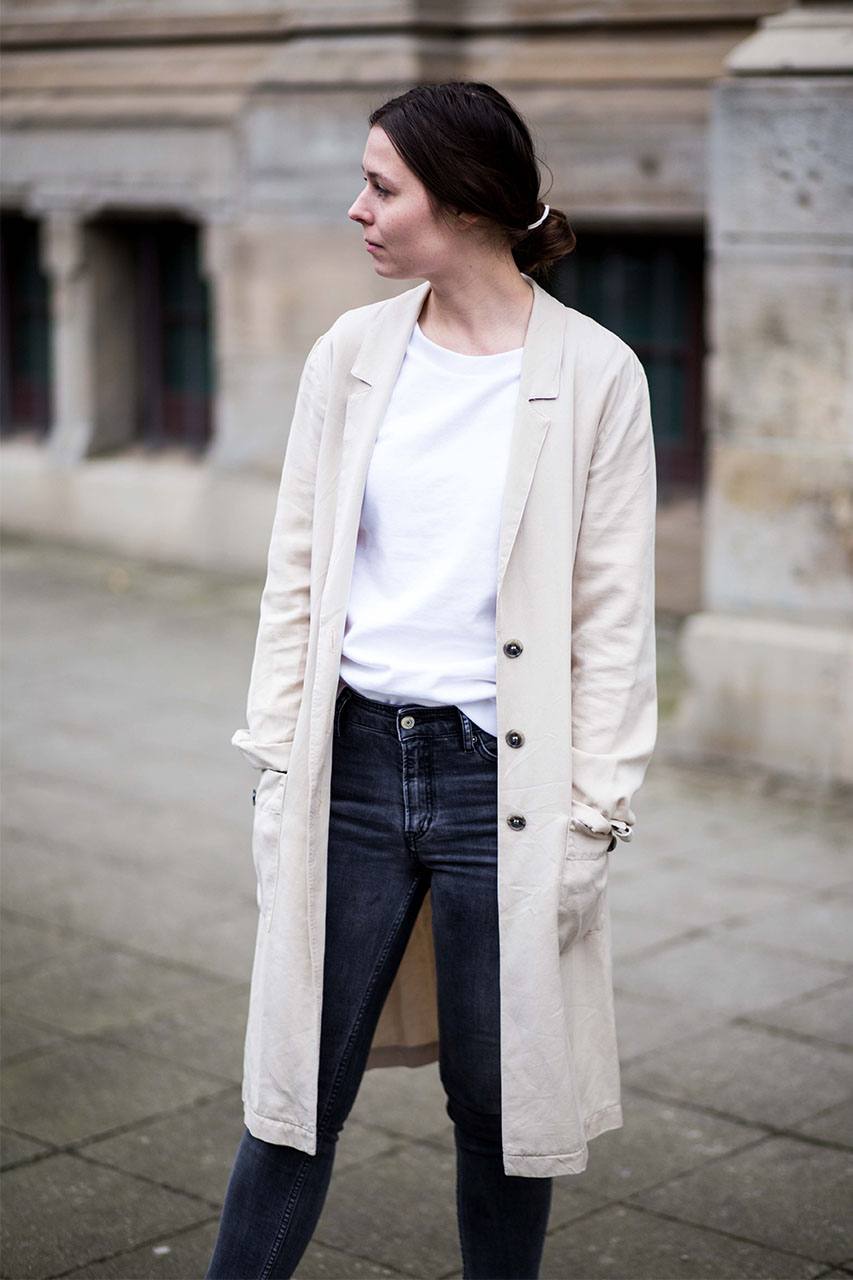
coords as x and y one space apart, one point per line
420 623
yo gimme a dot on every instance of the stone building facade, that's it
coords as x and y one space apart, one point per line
174 185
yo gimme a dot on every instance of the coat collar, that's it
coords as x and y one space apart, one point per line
376 367
387 337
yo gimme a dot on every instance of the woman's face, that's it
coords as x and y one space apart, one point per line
394 213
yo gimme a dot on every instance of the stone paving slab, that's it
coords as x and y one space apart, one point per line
25 944
645 1023
180 1256
205 1035
16 1149
658 1141
127 907
89 992
827 1016
833 1125
319 1263
636 931
152 834
750 825
781 1193
796 863
819 929
620 1242
189 1150
689 897
193 1150
747 1073
174 1256
721 974
63 1208
137 767
90 1087
221 944
22 1037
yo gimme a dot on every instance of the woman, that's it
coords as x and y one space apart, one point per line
452 701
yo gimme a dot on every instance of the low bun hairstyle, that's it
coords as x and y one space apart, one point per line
474 154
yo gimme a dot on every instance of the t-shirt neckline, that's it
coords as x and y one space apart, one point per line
461 358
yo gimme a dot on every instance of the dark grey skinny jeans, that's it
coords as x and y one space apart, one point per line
413 807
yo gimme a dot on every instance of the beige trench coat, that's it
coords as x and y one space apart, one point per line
575 652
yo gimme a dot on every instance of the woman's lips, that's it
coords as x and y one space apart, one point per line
372 248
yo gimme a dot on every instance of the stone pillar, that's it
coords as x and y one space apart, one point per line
286 263
258 346
93 295
63 247
770 658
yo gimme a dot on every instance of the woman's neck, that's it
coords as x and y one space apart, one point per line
477 314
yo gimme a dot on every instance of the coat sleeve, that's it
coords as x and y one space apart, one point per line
614 677
281 646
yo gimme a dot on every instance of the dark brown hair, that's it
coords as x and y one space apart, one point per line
474 154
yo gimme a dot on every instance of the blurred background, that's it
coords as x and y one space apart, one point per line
174 181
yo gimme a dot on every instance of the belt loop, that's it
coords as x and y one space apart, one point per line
467 731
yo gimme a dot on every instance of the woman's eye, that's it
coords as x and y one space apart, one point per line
380 190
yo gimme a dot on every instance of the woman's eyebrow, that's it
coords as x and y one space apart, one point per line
371 174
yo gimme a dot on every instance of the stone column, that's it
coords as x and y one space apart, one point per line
286 262
63 247
770 658
254 374
92 293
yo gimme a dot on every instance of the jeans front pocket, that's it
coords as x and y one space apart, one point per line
485 744
266 830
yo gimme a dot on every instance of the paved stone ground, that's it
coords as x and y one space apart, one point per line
129 914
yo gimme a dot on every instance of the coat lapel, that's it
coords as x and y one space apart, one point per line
375 368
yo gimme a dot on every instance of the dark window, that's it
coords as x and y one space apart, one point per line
649 290
24 328
173 326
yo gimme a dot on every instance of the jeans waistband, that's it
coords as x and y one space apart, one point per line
406 719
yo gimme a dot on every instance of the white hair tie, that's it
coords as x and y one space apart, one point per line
539 222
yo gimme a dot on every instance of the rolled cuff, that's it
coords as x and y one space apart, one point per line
263 755
588 823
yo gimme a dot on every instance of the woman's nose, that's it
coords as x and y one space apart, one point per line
354 211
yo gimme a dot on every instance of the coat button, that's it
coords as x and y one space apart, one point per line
516 821
513 648
514 739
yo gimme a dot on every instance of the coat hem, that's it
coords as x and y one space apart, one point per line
553 1166
283 1133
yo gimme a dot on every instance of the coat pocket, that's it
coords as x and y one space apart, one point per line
583 885
266 829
